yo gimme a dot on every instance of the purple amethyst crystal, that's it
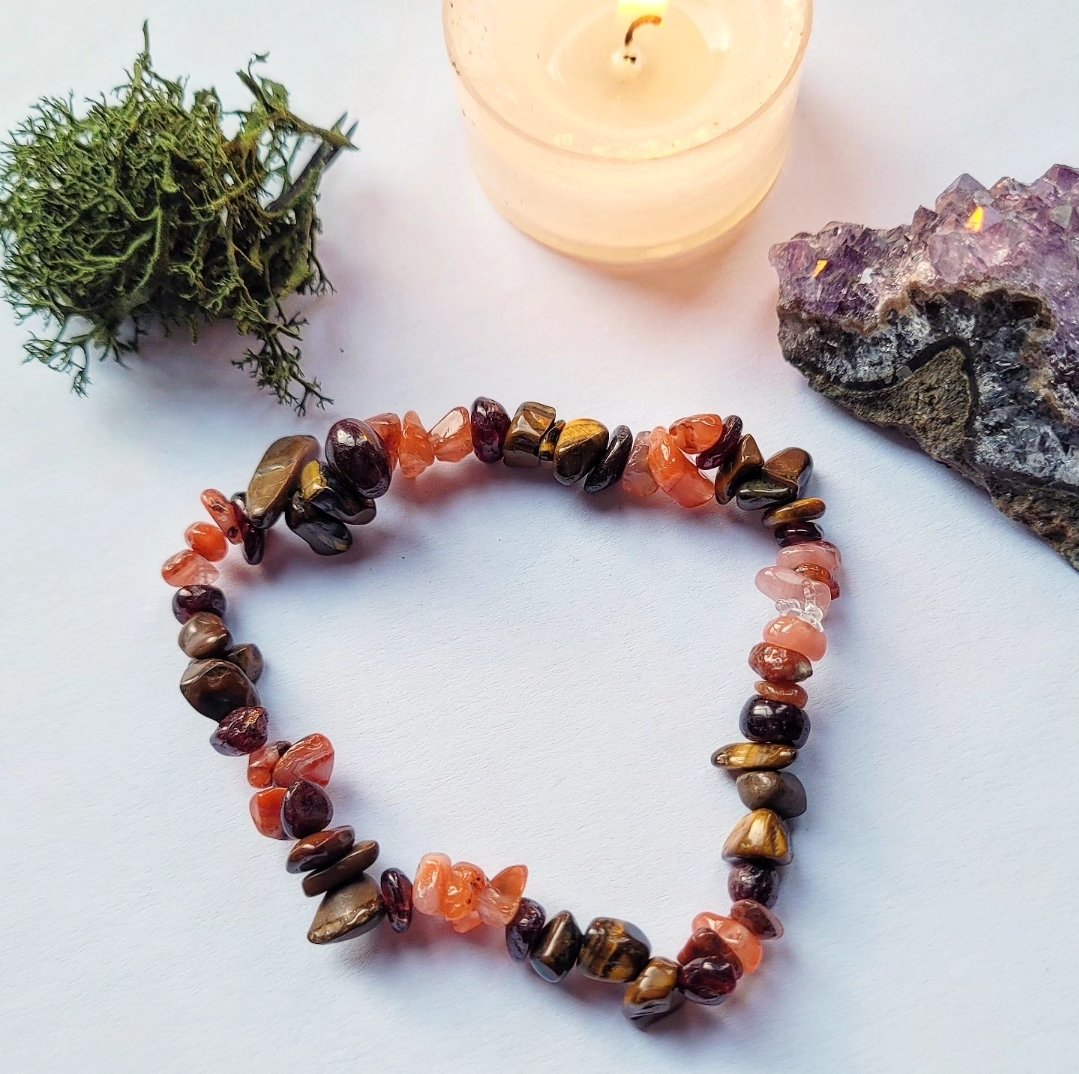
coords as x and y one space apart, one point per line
961 330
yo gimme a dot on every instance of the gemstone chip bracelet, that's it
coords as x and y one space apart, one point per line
695 461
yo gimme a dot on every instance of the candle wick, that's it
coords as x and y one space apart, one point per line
644 20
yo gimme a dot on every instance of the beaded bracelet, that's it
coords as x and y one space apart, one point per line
320 501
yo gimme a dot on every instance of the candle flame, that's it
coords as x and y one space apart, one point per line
631 10
822 264
976 220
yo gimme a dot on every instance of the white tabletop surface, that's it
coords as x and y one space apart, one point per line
511 673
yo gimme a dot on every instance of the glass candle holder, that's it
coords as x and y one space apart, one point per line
626 131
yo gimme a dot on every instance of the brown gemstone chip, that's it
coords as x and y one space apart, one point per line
743 463
798 511
759 836
348 912
779 791
708 981
757 918
215 688
343 871
521 447
550 441
707 943
582 444
320 850
248 658
654 994
554 952
241 732
613 950
203 635
739 756
793 466
775 663
306 809
276 477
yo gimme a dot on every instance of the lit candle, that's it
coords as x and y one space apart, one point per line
627 130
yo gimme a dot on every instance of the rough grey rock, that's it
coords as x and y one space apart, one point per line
962 331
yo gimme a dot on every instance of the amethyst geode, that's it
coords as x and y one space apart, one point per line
962 331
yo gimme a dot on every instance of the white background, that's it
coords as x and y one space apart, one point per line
511 673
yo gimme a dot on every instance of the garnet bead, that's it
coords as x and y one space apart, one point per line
609 470
707 943
757 918
356 454
754 880
305 809
771 721
490 423
716 455
524 929
241 732
190 600
397 896
707 981
797 533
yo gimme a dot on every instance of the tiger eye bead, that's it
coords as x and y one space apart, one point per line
654 994
613 950
347 912
320 850
808 510
791 466
759 836
775 663
762 720
719 452
739 756
550 441
761 491
555 950
742 464
215 688
276 477
490 423
203 635
330 496
609 470
325 536
248 658
782 792
581 445
521 446
754 880
190 600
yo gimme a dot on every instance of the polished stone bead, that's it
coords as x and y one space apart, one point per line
739 756
319 850
348 912
813 553
761 491
520 448
706 943
331 496
451 437
792 466
746 947
498 902
325 536
694 434
276 477
754 880
206 540
204 634
637 479
357 455
609 469
490 423
461 893
248 658
261 763
388 427
707 981
724 447
805 510
789 693
782 792
775 663
613 950
797 533
215 688
555 950
524 929
781 583
223 513
743 463
252 538
654 994
816 573
797 634
759 836
396 891
675 474
190 600
762 720
429 884
311 758
757 918
343 871
550 441
417 453
241 732
581 446
266 812
187 569
305 809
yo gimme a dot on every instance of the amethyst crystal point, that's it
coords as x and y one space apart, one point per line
961 330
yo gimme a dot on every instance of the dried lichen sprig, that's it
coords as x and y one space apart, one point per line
147 211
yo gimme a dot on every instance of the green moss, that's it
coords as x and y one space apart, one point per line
146 210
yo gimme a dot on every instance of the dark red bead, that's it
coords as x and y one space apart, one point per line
397 898
708 981
724 447
357 455
754 880
609 470
765 720
798 533
305 810
251 537
757 918
242 731
490 423
193 599
705 943
525 927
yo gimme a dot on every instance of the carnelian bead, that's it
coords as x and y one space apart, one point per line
781 583
637 478
795 633
675 474
468 923
451 438
417 454
432 874
388 427
311 759
777 663
261 763
461 895
696 433
819 574
820 553
744 944
789 693
207 540
223 512
266 812
498 902
188 568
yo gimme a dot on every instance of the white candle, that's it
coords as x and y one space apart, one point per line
627 152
